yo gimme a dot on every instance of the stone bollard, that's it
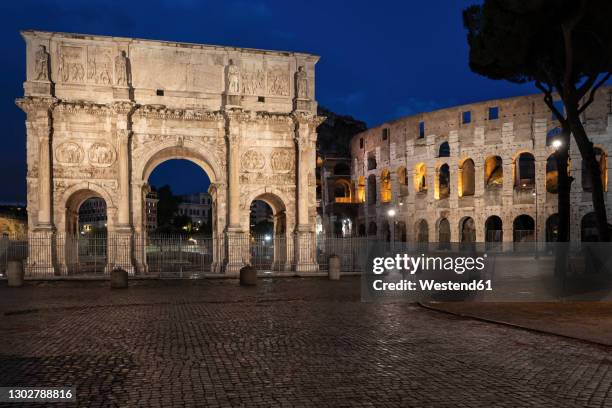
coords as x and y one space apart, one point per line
14 274
248 276
334 267
119 278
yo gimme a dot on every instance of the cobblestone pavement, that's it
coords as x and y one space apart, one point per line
288 342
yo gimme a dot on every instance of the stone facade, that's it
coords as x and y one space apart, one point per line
103 112
402 165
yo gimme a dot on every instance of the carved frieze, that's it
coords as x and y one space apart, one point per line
101 154
282 160
83 107
99 65
252 160
69 153
161 112
253 81
267 179
278 81
70 67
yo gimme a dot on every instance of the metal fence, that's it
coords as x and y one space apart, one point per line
193 256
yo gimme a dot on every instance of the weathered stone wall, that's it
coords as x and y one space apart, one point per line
522 126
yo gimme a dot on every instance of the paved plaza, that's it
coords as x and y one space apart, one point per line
288 342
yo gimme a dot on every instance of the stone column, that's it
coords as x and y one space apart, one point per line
237 242
121 238
305 239
41 239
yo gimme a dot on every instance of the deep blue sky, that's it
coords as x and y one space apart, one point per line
379 60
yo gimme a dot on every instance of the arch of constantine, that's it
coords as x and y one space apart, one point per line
103 112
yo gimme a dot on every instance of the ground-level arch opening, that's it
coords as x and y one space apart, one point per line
523 229
268 233
552 228
86 241
588 228
444 233
494 229
422 231
467 229
178 217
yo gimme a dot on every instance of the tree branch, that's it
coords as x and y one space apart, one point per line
594 89
548 100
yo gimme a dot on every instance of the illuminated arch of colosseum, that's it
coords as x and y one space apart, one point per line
495 174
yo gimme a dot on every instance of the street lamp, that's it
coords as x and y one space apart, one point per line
557 143
391 214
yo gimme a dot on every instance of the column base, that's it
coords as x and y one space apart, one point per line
120 250
237 250
305 250
41 259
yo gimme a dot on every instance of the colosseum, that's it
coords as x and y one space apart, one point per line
474 173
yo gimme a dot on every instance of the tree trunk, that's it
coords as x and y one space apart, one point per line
563 190
588 155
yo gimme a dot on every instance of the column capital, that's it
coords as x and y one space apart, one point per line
35 104
123 107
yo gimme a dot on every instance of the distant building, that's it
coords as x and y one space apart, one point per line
151 201
260 211
13 220
92 215
337 205
197 206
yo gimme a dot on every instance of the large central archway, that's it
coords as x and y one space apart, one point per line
179 240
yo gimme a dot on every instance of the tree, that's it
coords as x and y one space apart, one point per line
264 227
167 207
565 48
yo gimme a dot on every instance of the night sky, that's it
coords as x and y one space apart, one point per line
379 60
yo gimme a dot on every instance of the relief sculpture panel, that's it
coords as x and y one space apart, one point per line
69 153
252 160
99 66
70 67
101 155
282 160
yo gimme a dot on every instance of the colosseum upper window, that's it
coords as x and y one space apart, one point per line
551 174
371 189
420 176
421 130
402 180
493 113
361 189
602 160
443 190
385 186
467 179
371 160
524 171
466 117
444 150
494 172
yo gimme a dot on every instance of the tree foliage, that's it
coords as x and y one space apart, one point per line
565 48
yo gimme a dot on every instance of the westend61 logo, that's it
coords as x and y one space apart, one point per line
443 273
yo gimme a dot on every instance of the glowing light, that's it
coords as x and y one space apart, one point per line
391 213
557 143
